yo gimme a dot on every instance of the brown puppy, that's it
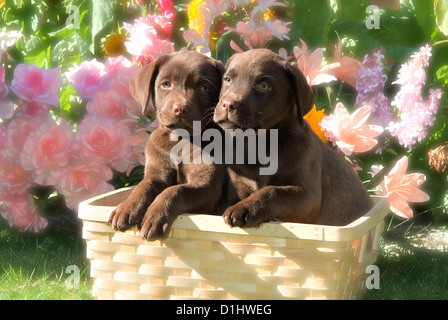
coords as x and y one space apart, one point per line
312 183
184 87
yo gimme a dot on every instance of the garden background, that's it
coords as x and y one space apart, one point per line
69 128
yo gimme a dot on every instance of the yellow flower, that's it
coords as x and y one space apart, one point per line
114 45
314 117
194 14
268 14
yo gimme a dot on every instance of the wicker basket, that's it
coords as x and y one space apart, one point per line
203 258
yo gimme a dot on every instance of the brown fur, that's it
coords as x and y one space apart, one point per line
167 189
312 184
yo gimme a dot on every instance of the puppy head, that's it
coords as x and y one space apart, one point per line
182 87
259 89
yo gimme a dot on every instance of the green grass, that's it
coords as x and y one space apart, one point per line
34 267
411 274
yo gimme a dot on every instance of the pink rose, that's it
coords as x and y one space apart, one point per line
86 78
6 106
47 151
13 179
3 138
21 213
105 105
34 109
115 64
34 84
18 132
105 141
83 181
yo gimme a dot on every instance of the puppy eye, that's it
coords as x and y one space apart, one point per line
166 84
263 86
226 79
204 89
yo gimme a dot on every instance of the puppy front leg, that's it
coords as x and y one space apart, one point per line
131 211
175 200
287 203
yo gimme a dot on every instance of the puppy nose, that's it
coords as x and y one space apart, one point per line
181 109
228 105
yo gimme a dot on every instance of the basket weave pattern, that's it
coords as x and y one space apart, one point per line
203 258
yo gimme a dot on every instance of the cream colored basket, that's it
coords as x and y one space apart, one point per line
203 258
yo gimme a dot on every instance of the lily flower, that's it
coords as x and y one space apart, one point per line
400 188
349 132
311 65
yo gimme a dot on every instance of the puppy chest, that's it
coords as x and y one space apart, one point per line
245 182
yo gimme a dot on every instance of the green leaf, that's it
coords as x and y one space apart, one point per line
103 14
442 75
441 14
223 50
424 12
311 20
352 9
36 52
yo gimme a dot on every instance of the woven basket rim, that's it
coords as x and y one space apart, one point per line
214 223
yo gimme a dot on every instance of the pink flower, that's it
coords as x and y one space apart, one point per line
3 139
114 65
105 105
84 180
86 78
116 82
13 179
401 188
145 41
34 109
311 65
349 67
349 132
47 151
18 132
194 37
21 213
166 7
263 5
370 86
34 84
6 106
161 23
254 36
278 28
414 113
104 141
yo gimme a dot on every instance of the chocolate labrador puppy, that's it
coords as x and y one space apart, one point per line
312 184
183 87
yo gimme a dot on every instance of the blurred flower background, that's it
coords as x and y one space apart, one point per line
70 129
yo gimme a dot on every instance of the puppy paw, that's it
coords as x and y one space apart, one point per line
155 226
245 215
126 215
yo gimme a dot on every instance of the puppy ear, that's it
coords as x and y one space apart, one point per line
221 68
303 95
142 85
